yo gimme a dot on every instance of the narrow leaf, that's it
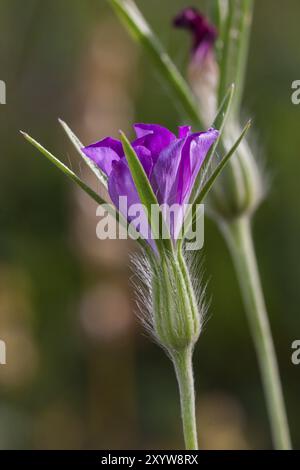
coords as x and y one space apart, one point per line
209 183
78 145
219 124
224 108
146 195
70 174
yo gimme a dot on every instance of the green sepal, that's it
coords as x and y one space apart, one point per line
147 197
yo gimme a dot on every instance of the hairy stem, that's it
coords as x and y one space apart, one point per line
184 372
239 239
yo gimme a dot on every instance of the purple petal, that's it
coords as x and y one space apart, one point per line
163 178
121 184
104 153
154 137
145 158
165 171
176 169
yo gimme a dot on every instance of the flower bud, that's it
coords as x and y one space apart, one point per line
176 317
170 307
203 70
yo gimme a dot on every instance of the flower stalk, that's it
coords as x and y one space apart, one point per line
174 318
239 238
243 185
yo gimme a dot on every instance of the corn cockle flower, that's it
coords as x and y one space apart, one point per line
159 168
203 69
170 162
170 306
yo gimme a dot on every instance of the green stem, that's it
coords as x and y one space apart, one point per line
226 55
234 52
134 21
239 238
184 372
244 28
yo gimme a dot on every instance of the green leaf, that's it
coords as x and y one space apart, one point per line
78 145
223 111
209 183
219 124
71 175
136 24
147 196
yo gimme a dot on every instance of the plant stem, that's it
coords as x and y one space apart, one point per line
244 28
184 372
239 238
138 27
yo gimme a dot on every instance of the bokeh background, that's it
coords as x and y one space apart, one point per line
81 373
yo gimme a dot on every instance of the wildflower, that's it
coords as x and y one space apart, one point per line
171 164
160 168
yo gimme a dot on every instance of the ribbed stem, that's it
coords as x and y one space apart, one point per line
184 373
239 239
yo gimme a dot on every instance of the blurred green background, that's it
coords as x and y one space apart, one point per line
80 371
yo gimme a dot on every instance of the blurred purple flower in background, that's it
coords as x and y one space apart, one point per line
203 69
171 164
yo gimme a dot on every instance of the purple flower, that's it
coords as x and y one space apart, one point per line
204 34
171 164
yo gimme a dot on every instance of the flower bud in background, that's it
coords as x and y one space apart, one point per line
170 307
203 69
240 188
